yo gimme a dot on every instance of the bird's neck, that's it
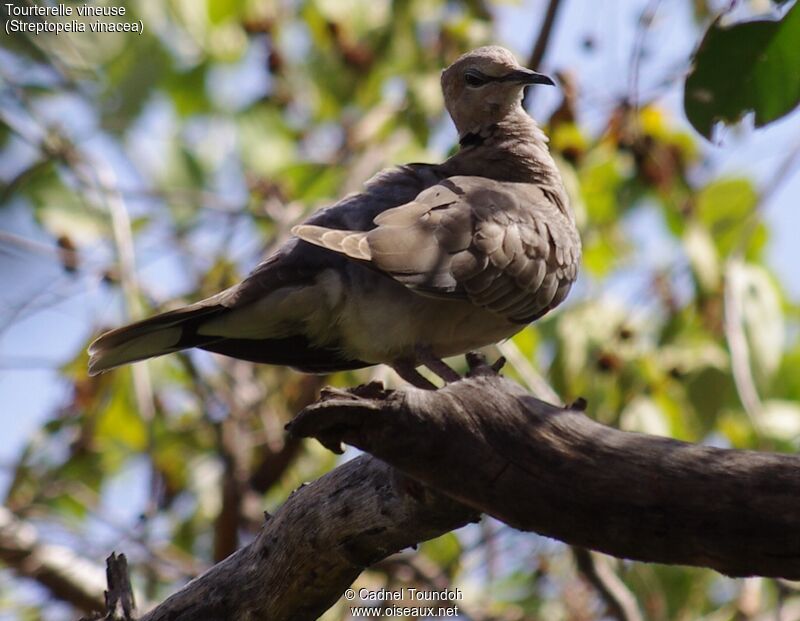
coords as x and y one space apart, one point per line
511 149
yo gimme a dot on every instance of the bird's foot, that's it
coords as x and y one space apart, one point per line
438 366
424 356
371 390
407 370
476 361
479 365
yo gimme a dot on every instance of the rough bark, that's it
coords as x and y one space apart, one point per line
484 445
119 600
488 444
315 546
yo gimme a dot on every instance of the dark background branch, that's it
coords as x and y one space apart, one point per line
619 600
542 41
58 569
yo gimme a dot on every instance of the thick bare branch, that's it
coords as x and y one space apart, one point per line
487 443
313 548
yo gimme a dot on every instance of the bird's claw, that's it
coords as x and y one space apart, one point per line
370 390
479 365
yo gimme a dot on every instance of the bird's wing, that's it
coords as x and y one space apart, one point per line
263 318
504 246
295 264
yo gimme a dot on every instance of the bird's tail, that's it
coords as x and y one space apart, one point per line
156 336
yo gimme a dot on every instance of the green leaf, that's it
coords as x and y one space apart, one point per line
62 211
187 89
267 144
310 182
710 391
221 10
119 426
600 180
749 66
600 254
131 78
723 208
786 381
445 551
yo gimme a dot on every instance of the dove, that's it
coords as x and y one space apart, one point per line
428 261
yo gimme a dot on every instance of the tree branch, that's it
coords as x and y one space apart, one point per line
315 545
120 605
119 597
595 568
488 444
69 578
484 444
542 41
545 30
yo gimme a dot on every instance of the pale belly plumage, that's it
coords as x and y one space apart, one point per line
388 321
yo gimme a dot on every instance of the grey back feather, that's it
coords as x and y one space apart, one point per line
504 246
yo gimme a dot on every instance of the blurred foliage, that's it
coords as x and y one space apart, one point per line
752 66
202 140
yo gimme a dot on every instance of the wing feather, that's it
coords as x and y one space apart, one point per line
505 246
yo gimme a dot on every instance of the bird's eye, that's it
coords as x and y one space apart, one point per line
474 79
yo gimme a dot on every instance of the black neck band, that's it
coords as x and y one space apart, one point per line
472 139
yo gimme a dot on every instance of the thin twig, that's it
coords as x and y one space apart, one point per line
781 174
208 200
768 191
97 174
598 572
750 600
47 296
645 21
36 247
530 376
427 573
168 560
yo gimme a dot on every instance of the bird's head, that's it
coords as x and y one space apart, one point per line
484 86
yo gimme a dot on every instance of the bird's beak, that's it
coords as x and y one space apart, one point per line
526 76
